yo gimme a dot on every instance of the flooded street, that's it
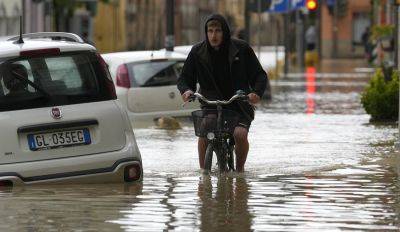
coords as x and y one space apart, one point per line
315 163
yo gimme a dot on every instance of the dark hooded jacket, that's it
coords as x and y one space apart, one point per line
245 72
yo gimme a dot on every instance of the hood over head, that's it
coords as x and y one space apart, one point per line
225 28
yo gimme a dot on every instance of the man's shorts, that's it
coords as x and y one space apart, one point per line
244 122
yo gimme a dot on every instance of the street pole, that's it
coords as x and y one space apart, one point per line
397 54
299 40
286 41
318 26
170 37
335 30
23 15
278 37
247 21
259 28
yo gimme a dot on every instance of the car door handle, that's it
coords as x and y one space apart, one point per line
171 95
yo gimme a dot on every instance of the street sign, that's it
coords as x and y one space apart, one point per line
297 4
283 6
279 6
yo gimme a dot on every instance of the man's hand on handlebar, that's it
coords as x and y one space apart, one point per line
253 98
187 96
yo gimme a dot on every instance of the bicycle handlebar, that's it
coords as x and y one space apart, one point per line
239 95
219 102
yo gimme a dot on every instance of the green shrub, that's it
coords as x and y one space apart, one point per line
381 97
379 31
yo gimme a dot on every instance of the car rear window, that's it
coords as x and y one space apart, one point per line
155 73
69 78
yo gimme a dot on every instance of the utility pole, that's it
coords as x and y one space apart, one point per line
170 36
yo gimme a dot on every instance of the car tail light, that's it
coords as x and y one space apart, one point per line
40 52
102 62
111 89
123 77
6 183
109 82
132 172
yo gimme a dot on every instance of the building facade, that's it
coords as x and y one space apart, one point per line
341 34
142 23
37 16
10 11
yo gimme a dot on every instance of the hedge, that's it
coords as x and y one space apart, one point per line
380 98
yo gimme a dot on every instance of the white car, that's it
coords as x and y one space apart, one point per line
145 82
59 117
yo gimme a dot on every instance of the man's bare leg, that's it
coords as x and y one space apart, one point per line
241 147
201 147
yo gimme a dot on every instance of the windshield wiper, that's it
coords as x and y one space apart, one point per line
31 83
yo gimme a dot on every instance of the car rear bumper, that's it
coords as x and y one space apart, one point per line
105 175
95 168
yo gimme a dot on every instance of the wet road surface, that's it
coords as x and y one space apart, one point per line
315 163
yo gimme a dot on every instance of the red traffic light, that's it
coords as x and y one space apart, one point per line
311 4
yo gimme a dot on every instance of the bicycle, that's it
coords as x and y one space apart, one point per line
218 127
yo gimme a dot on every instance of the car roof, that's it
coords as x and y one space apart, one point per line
183 49
11 48
134 56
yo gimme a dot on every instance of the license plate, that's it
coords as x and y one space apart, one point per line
59 139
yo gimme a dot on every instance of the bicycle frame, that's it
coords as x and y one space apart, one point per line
222 148
219 143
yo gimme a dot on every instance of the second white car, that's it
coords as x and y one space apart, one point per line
145 83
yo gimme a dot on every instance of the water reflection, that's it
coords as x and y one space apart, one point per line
224 206
310 89
65 208
331 170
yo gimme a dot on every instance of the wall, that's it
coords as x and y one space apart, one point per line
345 30
109 27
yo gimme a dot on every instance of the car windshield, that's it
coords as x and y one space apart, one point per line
64 79
155 73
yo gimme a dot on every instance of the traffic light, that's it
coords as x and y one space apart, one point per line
311 5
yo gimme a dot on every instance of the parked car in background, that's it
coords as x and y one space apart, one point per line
59 118
145 82
183 49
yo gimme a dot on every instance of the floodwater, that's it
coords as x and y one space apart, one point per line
315 163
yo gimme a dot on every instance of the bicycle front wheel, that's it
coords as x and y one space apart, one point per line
221 158
231 161
208 157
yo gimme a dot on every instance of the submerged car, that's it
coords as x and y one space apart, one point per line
60 118
146 81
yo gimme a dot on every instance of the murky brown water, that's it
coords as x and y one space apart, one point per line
315 163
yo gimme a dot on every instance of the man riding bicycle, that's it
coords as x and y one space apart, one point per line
222 65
